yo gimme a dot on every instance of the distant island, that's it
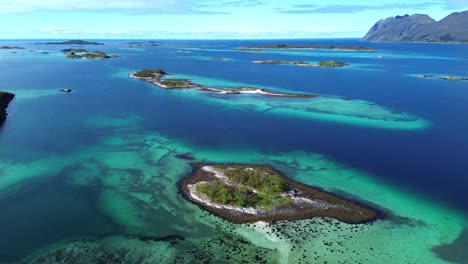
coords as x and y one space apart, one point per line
5 99
325 64
85 54
310 46
221 59
73 42
156 77
421 28
441 77
250 193
11 47
142 44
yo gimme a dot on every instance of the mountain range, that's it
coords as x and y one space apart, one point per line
421 28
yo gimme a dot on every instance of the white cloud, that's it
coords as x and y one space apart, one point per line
152 6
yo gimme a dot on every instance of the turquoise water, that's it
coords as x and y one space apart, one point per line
92 176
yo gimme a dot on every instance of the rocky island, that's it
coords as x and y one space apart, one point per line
248 193
325 64
441 77
156 77
73 42
85 54
12 47
420 28
310 46
5 99
221 59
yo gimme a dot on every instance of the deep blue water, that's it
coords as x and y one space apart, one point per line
432 161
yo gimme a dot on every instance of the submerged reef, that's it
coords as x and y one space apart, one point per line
248 193
5 99
156 77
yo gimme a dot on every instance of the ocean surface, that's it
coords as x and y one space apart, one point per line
91 176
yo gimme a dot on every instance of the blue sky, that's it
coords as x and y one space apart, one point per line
31 19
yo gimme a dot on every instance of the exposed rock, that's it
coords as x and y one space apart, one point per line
5 99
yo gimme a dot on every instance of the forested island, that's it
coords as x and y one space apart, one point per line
5 99
250 193
310 46
325 64
85 54
156 77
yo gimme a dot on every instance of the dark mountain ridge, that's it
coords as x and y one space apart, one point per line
421 28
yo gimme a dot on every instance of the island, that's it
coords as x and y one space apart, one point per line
309 46
420 28
73 42
325 64
156 77
221 59
252 193
442 77
141 44
5 99
12 47
85 54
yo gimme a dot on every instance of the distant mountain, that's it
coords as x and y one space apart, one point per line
420 28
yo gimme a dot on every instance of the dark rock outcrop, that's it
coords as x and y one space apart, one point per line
421 28
5 99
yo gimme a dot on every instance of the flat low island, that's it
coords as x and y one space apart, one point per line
156 77
323 64
248 193
309 46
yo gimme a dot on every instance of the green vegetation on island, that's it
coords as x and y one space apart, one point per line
256 188
250 193
5 99
331 64
148 73
85 54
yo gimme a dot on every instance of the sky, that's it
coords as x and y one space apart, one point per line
205 19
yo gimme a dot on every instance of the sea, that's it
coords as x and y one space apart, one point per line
92 176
